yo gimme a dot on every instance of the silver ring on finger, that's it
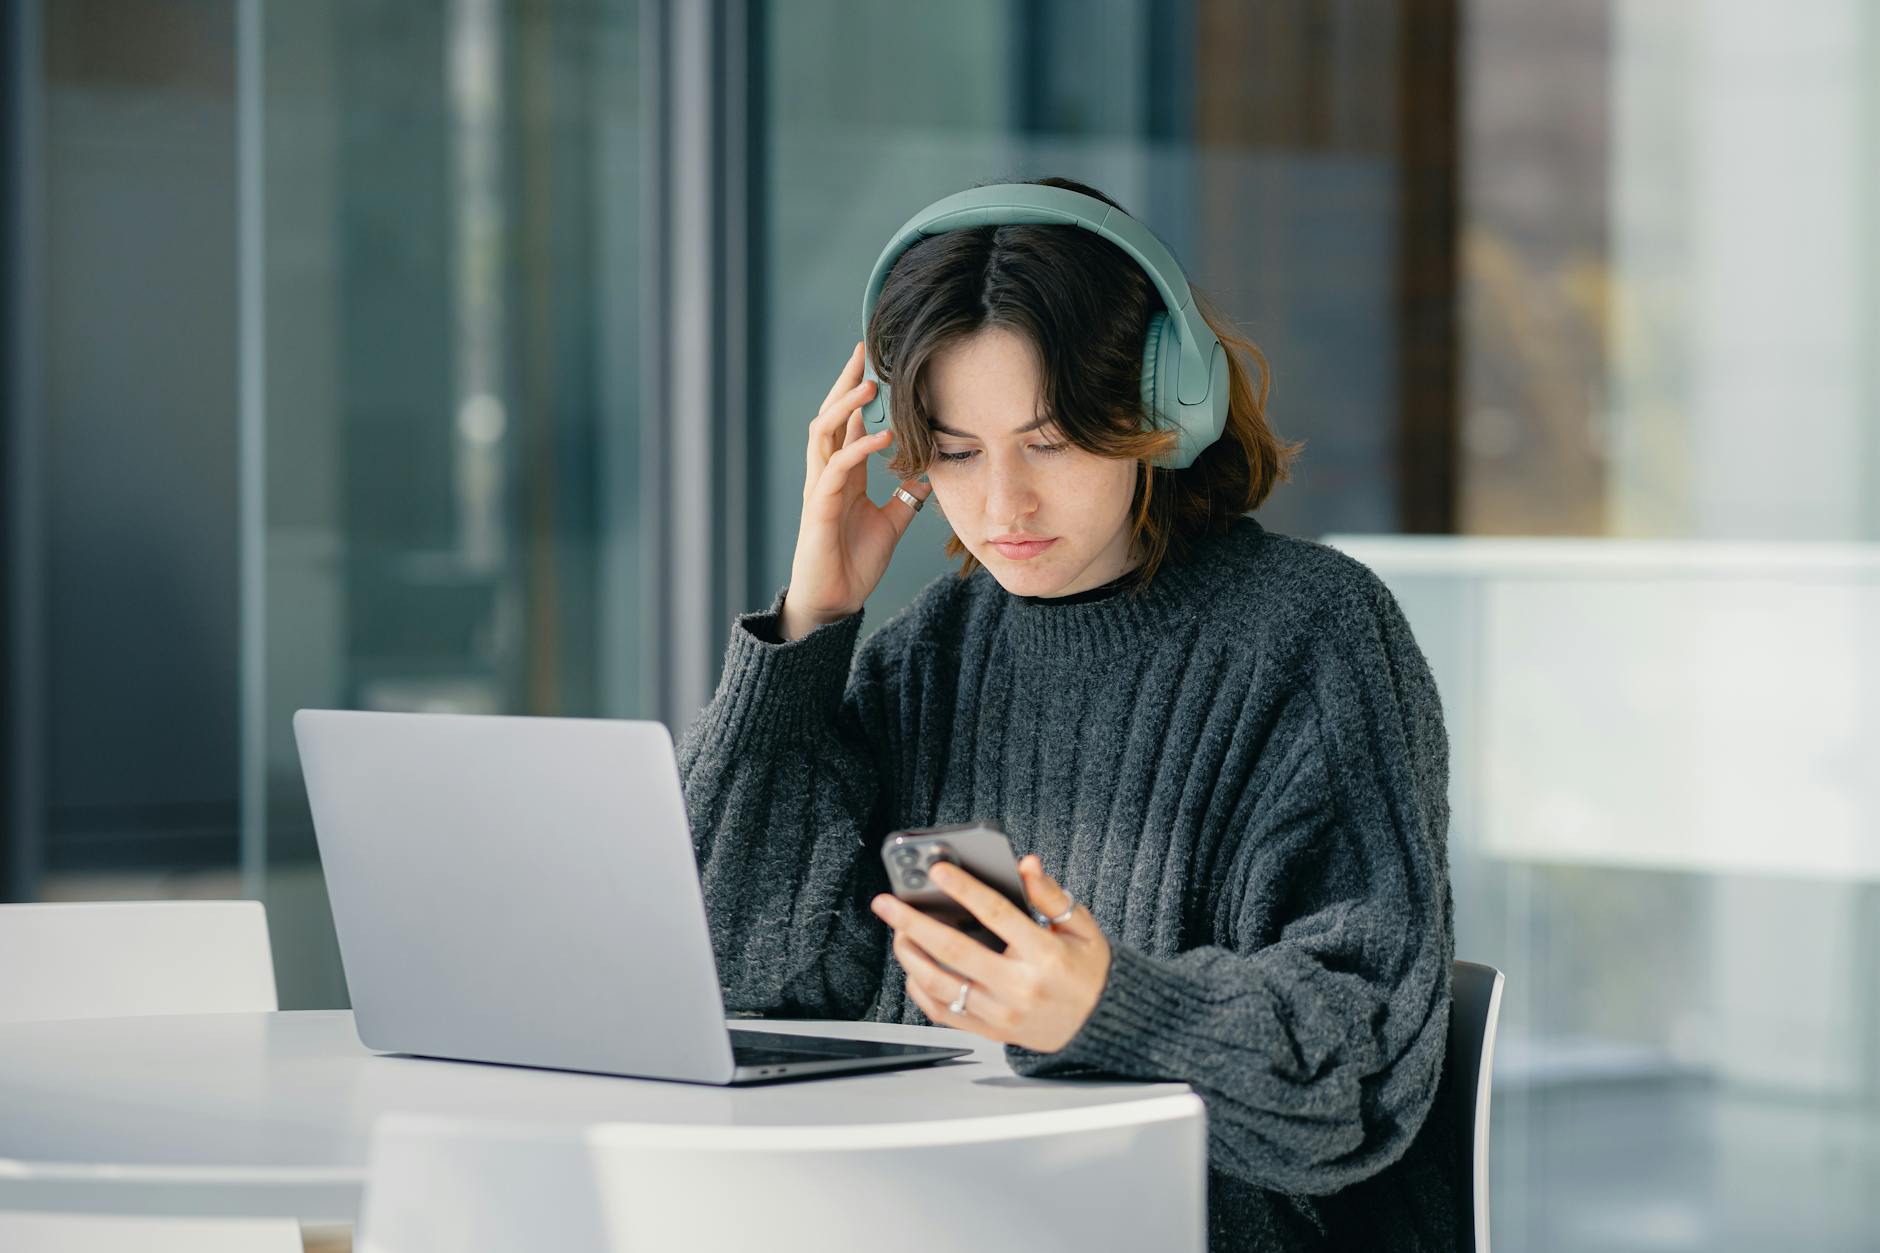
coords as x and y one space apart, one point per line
914 502
959 1002
1047 920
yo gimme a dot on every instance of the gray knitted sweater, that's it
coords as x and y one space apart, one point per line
1241 770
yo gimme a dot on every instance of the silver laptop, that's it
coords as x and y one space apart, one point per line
523 890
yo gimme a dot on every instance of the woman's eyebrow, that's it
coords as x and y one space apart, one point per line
947 430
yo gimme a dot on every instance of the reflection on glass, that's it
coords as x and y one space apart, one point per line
1664 293
452 253
477 113
1258 142
1663 284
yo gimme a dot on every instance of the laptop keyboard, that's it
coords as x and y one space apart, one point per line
776 1057
771 1048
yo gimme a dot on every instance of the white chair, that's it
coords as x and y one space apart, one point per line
1475 1006
118 959
112 1233
1124 1176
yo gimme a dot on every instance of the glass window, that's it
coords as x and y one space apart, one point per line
1589 273
1574 306
123 675
1259 143
452 373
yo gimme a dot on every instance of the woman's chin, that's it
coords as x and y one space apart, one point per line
1023 578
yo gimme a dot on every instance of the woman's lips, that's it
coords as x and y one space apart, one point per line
1022 552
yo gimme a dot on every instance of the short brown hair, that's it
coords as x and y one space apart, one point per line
1084 305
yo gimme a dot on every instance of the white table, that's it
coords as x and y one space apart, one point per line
270 1114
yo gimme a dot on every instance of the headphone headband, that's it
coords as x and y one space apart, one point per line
1011 204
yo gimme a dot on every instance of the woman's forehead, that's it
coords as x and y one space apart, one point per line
984 385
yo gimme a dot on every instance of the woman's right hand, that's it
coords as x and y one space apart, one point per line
844 540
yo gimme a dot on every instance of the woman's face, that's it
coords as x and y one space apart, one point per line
993 478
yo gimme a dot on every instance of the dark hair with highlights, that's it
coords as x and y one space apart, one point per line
1084 305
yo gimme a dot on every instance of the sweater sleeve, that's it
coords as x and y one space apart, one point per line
1315 1026
782 786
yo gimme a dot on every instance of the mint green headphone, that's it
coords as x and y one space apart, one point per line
1184 367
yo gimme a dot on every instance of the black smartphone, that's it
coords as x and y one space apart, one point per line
978 848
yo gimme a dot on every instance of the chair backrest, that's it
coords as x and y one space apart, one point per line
139 1233
1127 1176
1475 1006
109 959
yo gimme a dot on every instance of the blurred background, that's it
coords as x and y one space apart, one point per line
457 355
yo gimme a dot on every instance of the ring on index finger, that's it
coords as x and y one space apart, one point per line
913 502
1046 920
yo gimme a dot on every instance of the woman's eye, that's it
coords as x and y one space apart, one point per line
970 453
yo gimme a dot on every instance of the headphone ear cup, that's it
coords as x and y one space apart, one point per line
1159 363
875 412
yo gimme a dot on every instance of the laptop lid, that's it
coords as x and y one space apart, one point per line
515 889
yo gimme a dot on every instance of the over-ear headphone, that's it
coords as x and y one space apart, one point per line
1184 367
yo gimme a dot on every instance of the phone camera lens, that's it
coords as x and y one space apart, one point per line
913 880
940 852
906 856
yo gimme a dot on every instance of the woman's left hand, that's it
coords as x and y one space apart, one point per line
1037 994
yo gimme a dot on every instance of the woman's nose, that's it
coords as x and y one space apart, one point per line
1011 495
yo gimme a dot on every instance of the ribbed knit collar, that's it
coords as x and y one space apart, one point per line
1108 590
1134 620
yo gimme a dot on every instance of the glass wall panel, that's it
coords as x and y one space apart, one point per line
1575 306
1661 732
439 469
452 426
121 551
1259 142
1664 278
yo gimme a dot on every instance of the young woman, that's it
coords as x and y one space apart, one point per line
1217 748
